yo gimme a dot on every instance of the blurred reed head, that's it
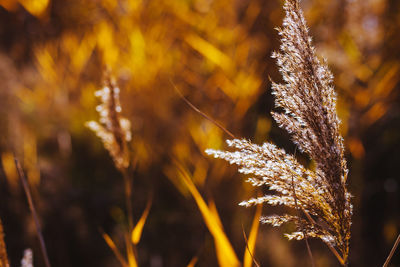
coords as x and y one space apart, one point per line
112 128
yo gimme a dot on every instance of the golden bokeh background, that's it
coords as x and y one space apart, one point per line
217 53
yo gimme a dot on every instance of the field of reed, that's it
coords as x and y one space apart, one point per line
115 115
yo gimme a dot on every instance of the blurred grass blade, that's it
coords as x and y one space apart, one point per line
7 159
132 261
9 5
214 211
137 231
209 51
114 249
36 8
32 208
225 253
193 262
251 242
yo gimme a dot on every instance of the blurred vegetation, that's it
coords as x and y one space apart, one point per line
217 53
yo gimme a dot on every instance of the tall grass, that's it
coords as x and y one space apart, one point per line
317 196
308 102
114 131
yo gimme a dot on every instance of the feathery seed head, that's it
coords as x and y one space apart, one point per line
113 129
308 100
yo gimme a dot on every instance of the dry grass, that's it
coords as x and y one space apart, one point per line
309 103
215 51
114 131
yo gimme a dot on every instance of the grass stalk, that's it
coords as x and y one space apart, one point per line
248 249
130 247
28 194
128 197
201 112
331 248
114 249
396 244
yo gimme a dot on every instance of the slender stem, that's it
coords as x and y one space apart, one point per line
33 211
309 251
334 251
130 252
248 249
202 113
130 247
128 198
114 248
396 244
3 250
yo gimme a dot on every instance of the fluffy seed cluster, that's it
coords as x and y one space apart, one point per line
308 100
27 260
112 128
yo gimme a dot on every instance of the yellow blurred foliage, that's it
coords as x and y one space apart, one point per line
10 170
30 158
390 231
356 148
137 230
35 7
217 54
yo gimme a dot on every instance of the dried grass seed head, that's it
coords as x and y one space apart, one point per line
308 100
113 129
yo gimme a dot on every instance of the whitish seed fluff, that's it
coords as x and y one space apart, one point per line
113 129
27 260
308 100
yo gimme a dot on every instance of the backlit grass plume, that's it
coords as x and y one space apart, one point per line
112 128
115 133
308 100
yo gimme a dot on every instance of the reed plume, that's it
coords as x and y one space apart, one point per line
308 101
112 128
115 133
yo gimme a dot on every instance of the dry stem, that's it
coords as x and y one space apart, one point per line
33 211
202 113
396 244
